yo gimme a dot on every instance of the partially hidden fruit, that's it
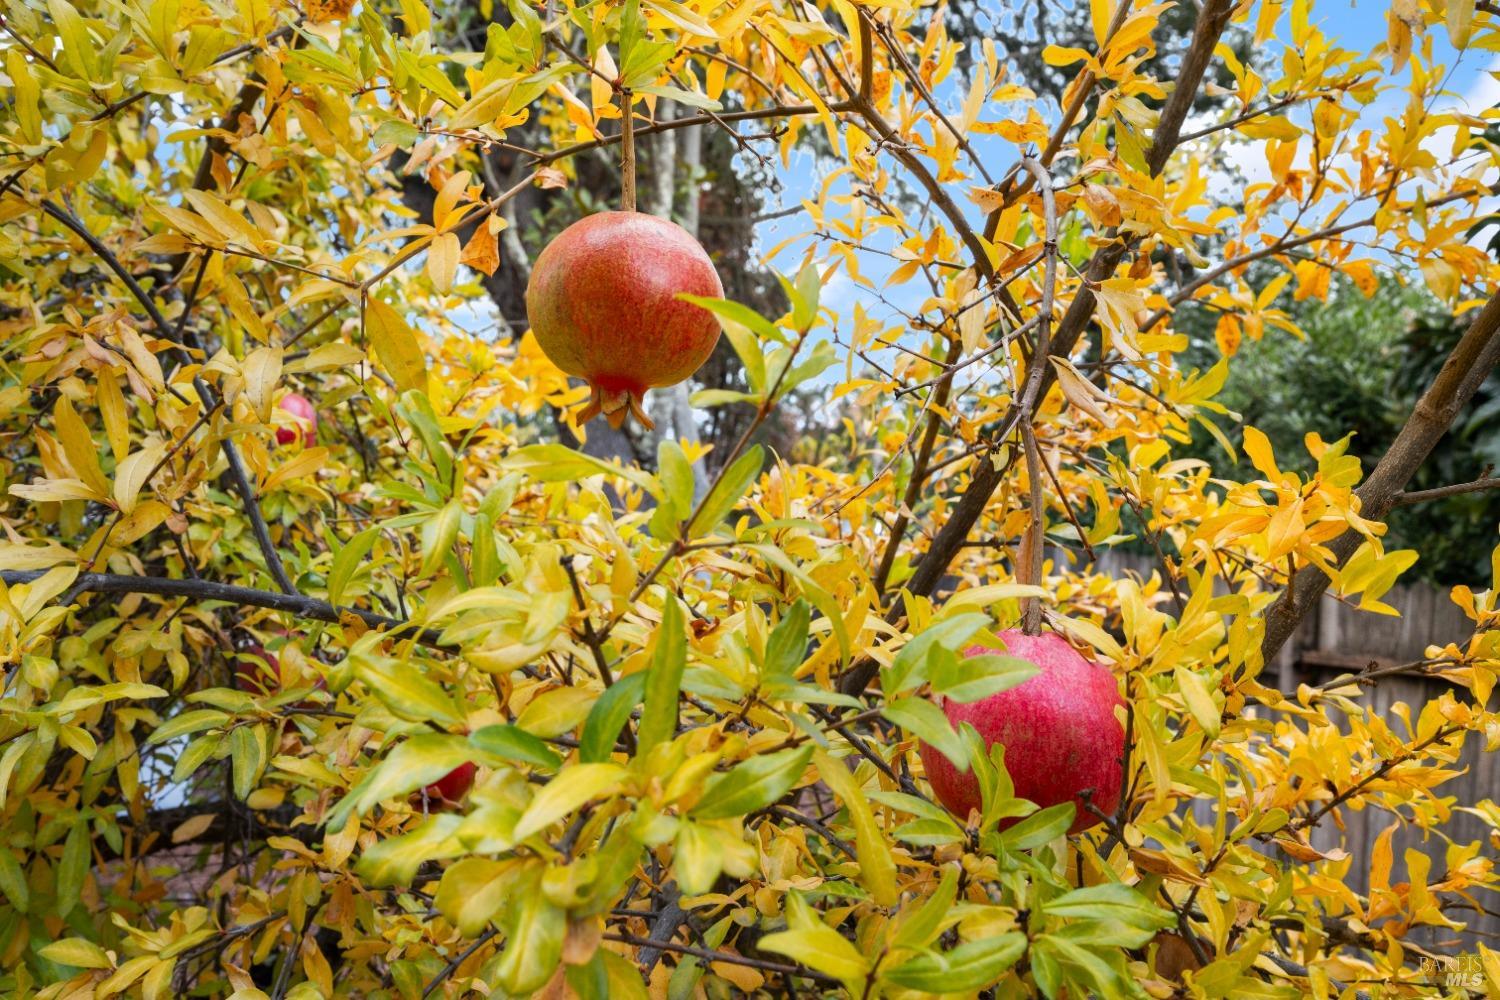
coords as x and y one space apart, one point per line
450 788
306 420
603 305
1058 728
258 671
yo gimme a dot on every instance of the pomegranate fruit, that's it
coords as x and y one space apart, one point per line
603 305
451 787
1058 728
257 671
306 420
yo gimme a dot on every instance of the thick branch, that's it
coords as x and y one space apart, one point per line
988 474
1470 363
208 590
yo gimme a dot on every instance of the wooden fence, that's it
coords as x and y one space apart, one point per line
1337 639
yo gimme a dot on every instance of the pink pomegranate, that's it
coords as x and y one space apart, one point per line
603 304
306 419
1058 728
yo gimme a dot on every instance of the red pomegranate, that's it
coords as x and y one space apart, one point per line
257 670
603 304
451 787
306 419
1058 728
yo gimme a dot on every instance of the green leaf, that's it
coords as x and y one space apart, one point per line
77 953
188 722
929 723
753 784
632 30
395 860
472 891
919 928
565 793
804 295
877 869
688 97
973 678
816 945
534 930
74 867
664 679
514 743
438 535
247 748
676 475
608 717
969 967
705 398
195 754
13 881
909 668
728 491
1110 901
402 688
1200 702
484 556
787 646
555 463
1041 827
416 409
412 764
350 557
698 858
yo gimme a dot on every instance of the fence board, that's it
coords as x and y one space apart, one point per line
1337 638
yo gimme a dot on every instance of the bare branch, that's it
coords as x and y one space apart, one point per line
1405 499
208 590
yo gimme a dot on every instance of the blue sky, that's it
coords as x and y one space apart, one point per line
1358 25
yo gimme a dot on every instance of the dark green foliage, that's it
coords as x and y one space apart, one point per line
1361 369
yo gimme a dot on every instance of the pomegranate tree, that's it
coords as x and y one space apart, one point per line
1059 730
603 304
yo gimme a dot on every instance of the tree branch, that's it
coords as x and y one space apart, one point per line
1405 499
205 391
987 474
209 590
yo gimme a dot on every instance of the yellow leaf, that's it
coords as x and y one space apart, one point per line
565 793
304 463
1258 448
877 870
131 474
396 346
1200 703
78 445
1460 22
77 952
442 261
192 827
261 370
447 198
1064 55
